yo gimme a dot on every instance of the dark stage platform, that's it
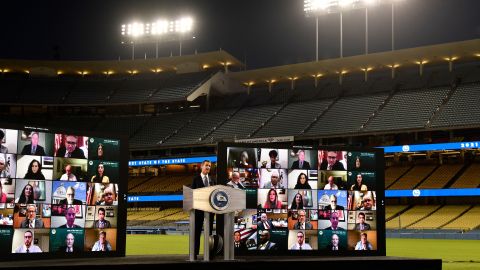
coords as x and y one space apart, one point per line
163 261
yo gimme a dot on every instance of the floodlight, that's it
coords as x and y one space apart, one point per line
136 30
160 27
184 25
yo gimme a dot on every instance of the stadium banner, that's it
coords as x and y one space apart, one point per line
170 161
156 198
267 140
430 147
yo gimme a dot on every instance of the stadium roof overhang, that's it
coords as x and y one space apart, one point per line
202 60
435 54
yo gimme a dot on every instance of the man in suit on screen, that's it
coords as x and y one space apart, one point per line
361 225
70 149
301 224
33 148
264 223
301 163
70 216
70 199
69 247
32 221
334 243
237 242
332 164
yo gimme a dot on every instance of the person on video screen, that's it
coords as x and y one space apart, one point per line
102 244
333 204
301 163
265 243
34 171
273 164
302 182
244 163
3 195
363 244
33 148
109 196
3 149
265 223
70 216
69 247
334 243
70 199
101 222
70 149
359 184
361 225
68 175
235 182
28 246
100 176
368 201
332 164
300 244
272 201
274 180
358 164
237 242
100 152
31 221
331 184
302 224
26 197
297 202
334 218
3 168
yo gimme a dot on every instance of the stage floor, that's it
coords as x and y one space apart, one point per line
153 262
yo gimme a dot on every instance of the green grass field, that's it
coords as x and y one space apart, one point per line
456 254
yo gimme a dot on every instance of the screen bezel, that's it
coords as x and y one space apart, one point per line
122 195
222 178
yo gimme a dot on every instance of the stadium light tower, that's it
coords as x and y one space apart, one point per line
316 8
159 30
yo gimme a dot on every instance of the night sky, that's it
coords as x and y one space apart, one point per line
262 32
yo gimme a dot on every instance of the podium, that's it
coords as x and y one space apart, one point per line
217 199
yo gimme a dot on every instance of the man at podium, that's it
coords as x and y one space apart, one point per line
200 181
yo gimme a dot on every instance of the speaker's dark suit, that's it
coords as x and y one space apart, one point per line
330 247
63 249
199 215
38 223
240 247
262 226
305 166
337 166
77 153
39 151
75 201
329 208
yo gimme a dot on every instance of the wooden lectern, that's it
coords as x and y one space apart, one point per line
217 199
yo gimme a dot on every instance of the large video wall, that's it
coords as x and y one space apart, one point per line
61 193
306 200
